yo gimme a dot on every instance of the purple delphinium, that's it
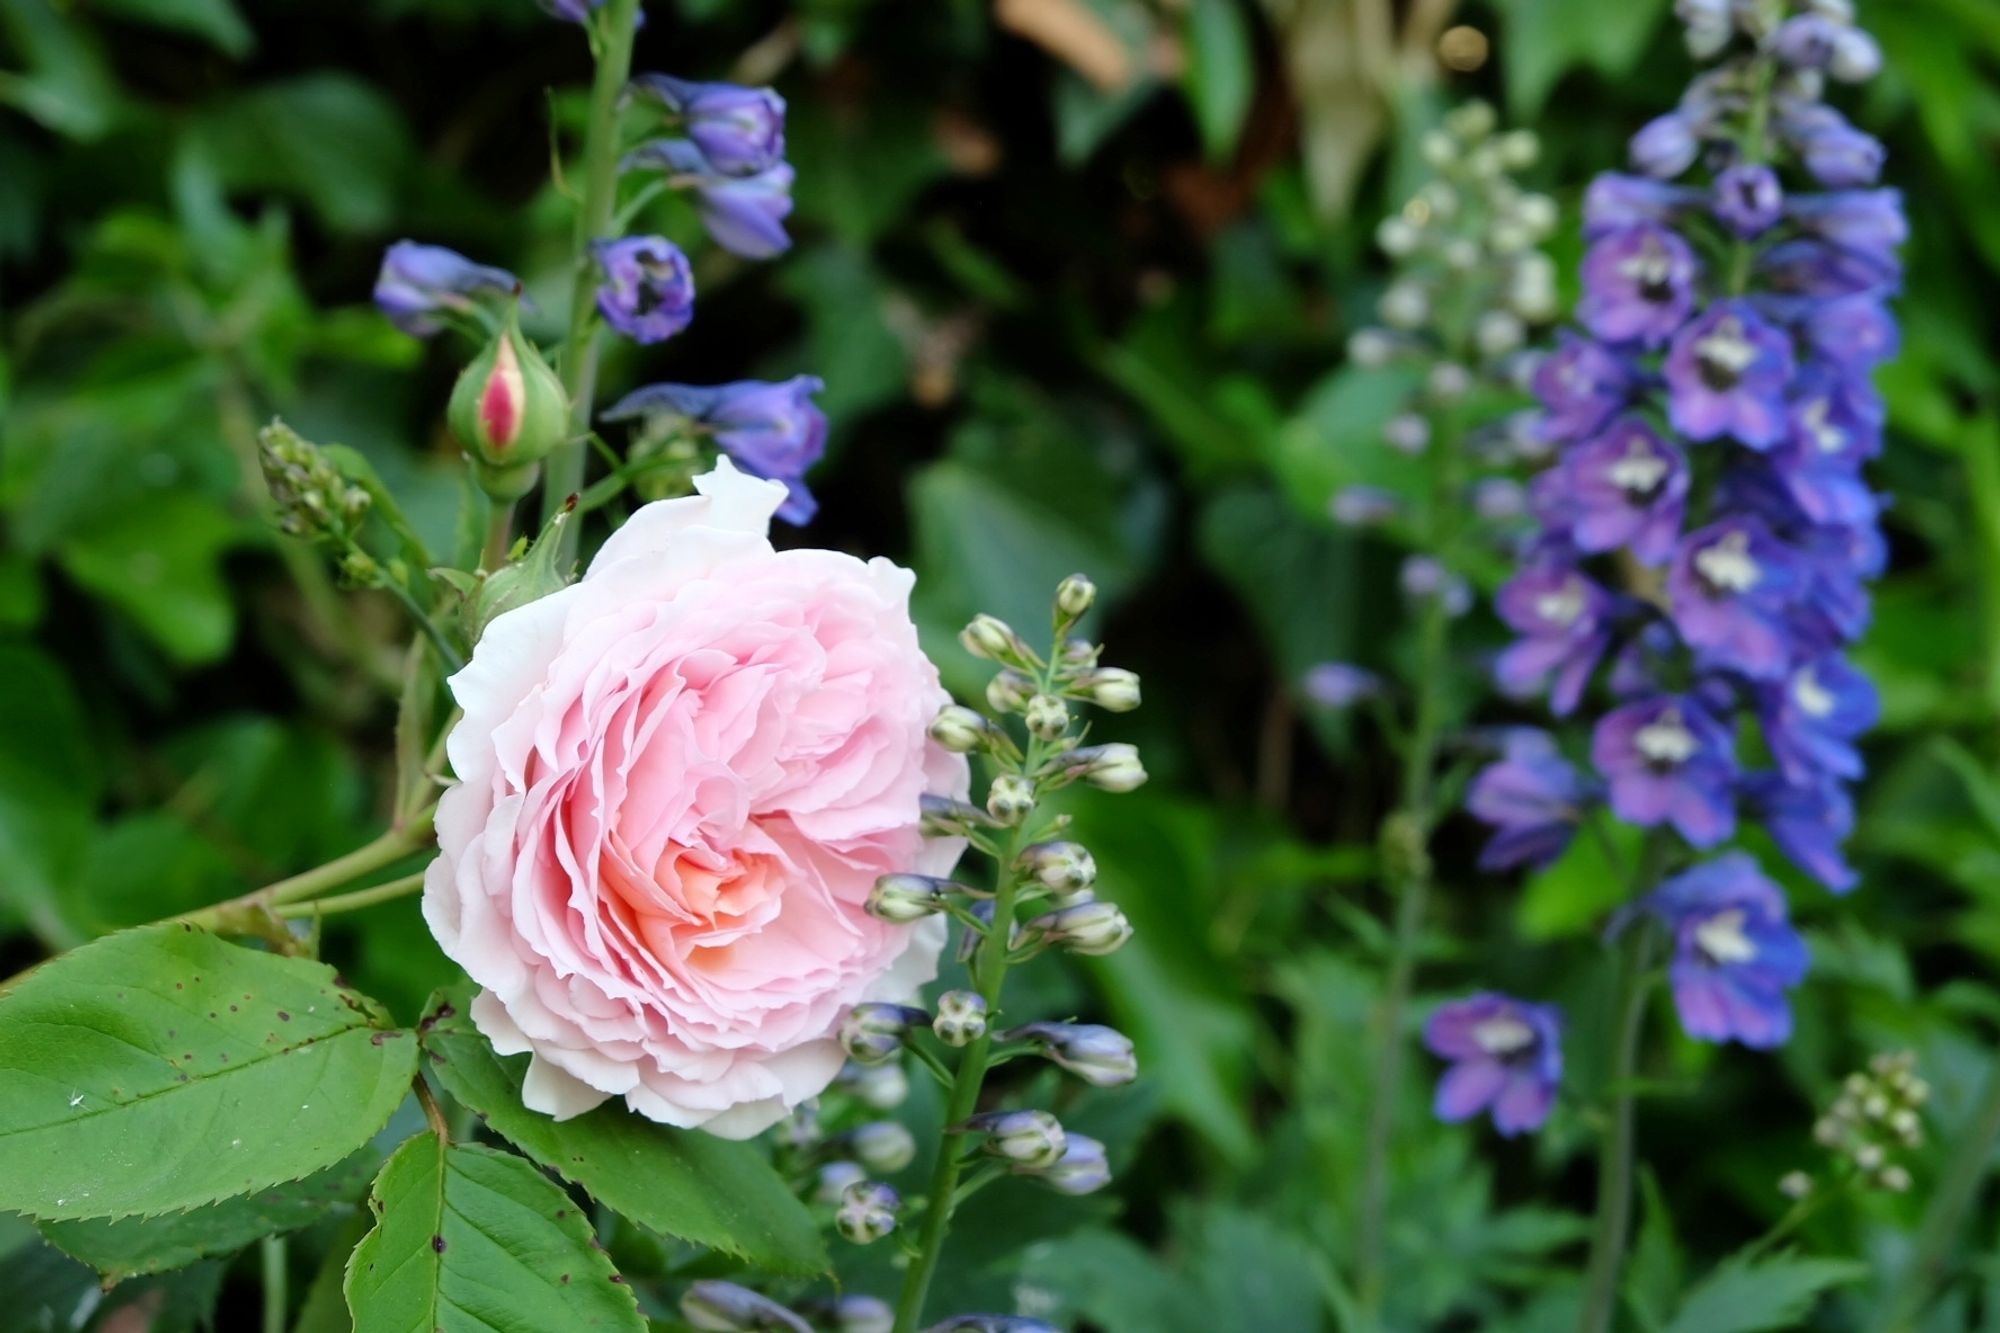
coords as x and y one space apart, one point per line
1717 422
772 430
1560 616
648 290
1735 951
1533 798
1340 685
420 284
1506 1057
740 131
744 214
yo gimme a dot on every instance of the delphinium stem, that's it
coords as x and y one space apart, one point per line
563 471
1615 1155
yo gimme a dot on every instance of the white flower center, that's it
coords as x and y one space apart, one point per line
1727 349
1727 566
1639 471
1563 606
1502 1035
1665 740
1810 695
1827 437
1649 269
1722 939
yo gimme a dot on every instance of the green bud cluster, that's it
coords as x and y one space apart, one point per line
313 498
1876 1120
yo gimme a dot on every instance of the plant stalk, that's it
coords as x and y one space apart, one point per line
563 472
1615 1155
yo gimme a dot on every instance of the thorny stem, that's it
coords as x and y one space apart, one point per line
563 472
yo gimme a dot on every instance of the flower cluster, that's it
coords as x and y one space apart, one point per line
726 147
1876 1119
1470 289
1705 533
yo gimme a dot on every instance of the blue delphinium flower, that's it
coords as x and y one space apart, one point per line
745 214
648 291
1712 423
772 430
1533 798
1506 1057
420 285
1735 951
740 131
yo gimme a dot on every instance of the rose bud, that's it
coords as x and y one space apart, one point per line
883 1146
1010 798
874 1031
1092 928
1100 1056
867 1212
1009 691
741 131
1026 1138
724 1307
648 290
905 898
1114 689
1065 866
961 1017
961 730
1074 596
1047 717
1082 1168
508 410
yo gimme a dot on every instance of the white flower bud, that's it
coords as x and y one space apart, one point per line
1536 212
904 898
1472 121
1047 717
1114 767
1499 333
1404 306
1091 928
1462 255
1439 199
1397 236
881 1087
1894 1179
874 1031
1905 1122
1009 691
1795 1185
1531 288
959 729
1869 1156
1114 689
961 1017
883 1146
1082 1168
1026 1138
833 1180
1010 798
1448 382
867 1212
1407 433
1371 348
1066 866
1074 596
1519 149
1440 149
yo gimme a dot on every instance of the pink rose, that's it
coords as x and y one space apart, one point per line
677 781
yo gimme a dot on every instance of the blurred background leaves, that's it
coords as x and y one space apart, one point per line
1077 274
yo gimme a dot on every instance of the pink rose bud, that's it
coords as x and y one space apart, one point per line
508 410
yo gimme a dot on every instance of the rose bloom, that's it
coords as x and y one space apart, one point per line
677 780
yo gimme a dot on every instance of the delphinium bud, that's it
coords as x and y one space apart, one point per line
994 639
833 1179
1082 1168
880 1087
648 289
1114 767
1024 1138
1075 595
1090 928
961 730
314 500
1009 691
1795 1185
883 1146
1066 867
1100 1056
949 817
874 1031
867 1212
715 1306
1114 689
1046 716
992 1323
1875 1118
961 1017
1010 797
508 410
854 1313
902 898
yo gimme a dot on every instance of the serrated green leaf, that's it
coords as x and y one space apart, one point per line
472 1238
135 1245
165 1068
683 1183
1748 1298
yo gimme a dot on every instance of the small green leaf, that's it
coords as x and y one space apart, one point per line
165 1068
130 1246
1574 892
472 1238
217 20
1748 1298
710 1191
1221 72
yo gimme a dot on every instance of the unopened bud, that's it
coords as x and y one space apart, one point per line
715 1306
1905 1122
1082 1168
961 730
1795 1185
1869 1156
1093 928
883 1146
1404 306
1114 689
1074 596
534 576
1448 382
949 817
867 1212
961 1017
855 1313
1010 798
1100 1056
508 410
1894 1179
1372 348
874 1031
1025 1138
1047 717
1063 866
1499 332
1114 767
882 1087
1009 691
991 637
903 898
833 1179
1519 149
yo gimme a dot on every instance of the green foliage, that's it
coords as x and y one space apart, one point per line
681 1183
469 1238
164 1069
1779 1292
